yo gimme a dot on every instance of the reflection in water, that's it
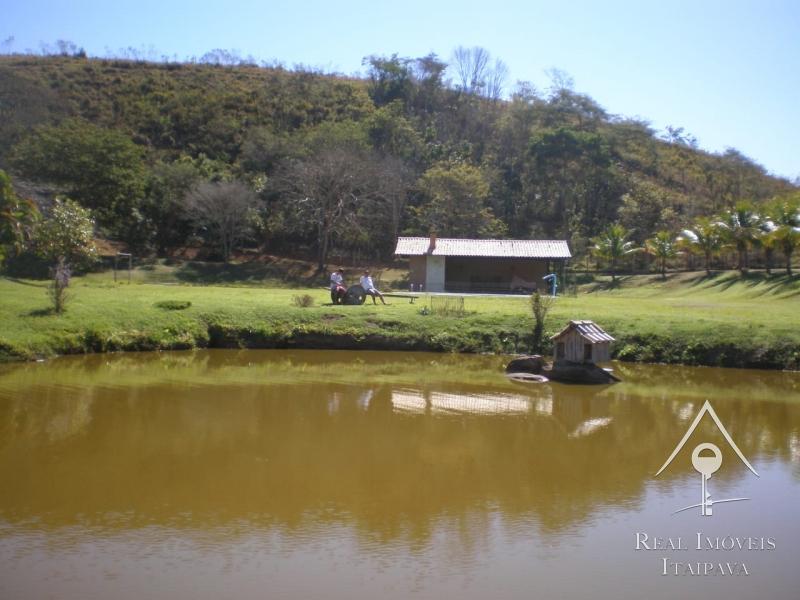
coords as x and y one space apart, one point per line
399 461
470 403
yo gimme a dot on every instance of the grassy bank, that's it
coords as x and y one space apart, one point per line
721 320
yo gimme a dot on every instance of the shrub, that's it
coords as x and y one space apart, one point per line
540 306
303 301
58 287
173 304
448 307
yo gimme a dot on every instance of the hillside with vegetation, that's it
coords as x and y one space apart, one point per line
300 163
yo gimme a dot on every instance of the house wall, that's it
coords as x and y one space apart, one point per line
416 270
486 274
602 352
434 273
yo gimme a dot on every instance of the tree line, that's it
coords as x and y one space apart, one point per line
771 229
292 161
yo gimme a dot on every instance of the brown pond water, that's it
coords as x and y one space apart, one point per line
274 474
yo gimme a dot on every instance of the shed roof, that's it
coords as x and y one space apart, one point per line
420 246
588 330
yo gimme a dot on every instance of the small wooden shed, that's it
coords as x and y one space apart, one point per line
582 342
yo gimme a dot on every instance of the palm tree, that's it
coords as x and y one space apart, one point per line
662 247
785 216
704 238
612 244
740 226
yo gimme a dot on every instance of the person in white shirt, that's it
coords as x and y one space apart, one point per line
337 286
369 287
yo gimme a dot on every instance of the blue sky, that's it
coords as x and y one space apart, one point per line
726 71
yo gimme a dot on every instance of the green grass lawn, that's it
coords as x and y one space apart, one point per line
725 319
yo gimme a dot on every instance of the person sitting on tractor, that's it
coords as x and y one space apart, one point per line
369 287
337 286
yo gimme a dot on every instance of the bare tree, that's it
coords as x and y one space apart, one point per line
496 80
476 75
336 192
471 66
461 64
559 80
224 211
382 215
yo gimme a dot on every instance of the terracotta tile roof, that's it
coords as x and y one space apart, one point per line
419 246
588 330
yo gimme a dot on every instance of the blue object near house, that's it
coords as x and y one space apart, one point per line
552 279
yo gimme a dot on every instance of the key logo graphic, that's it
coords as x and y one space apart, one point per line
706 460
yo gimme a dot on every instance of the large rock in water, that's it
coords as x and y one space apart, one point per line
571 372
563 370
533 364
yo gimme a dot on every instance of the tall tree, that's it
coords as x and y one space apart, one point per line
612 244
102 169
471 66
496 80
164 206
662 246
769 242
327 191
476 74
566 108
647 208
569 173
740 226
390 133
390 79
455 202
429 76
705 237
784 214
224 212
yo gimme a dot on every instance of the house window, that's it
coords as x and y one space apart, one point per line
587 352
561 350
